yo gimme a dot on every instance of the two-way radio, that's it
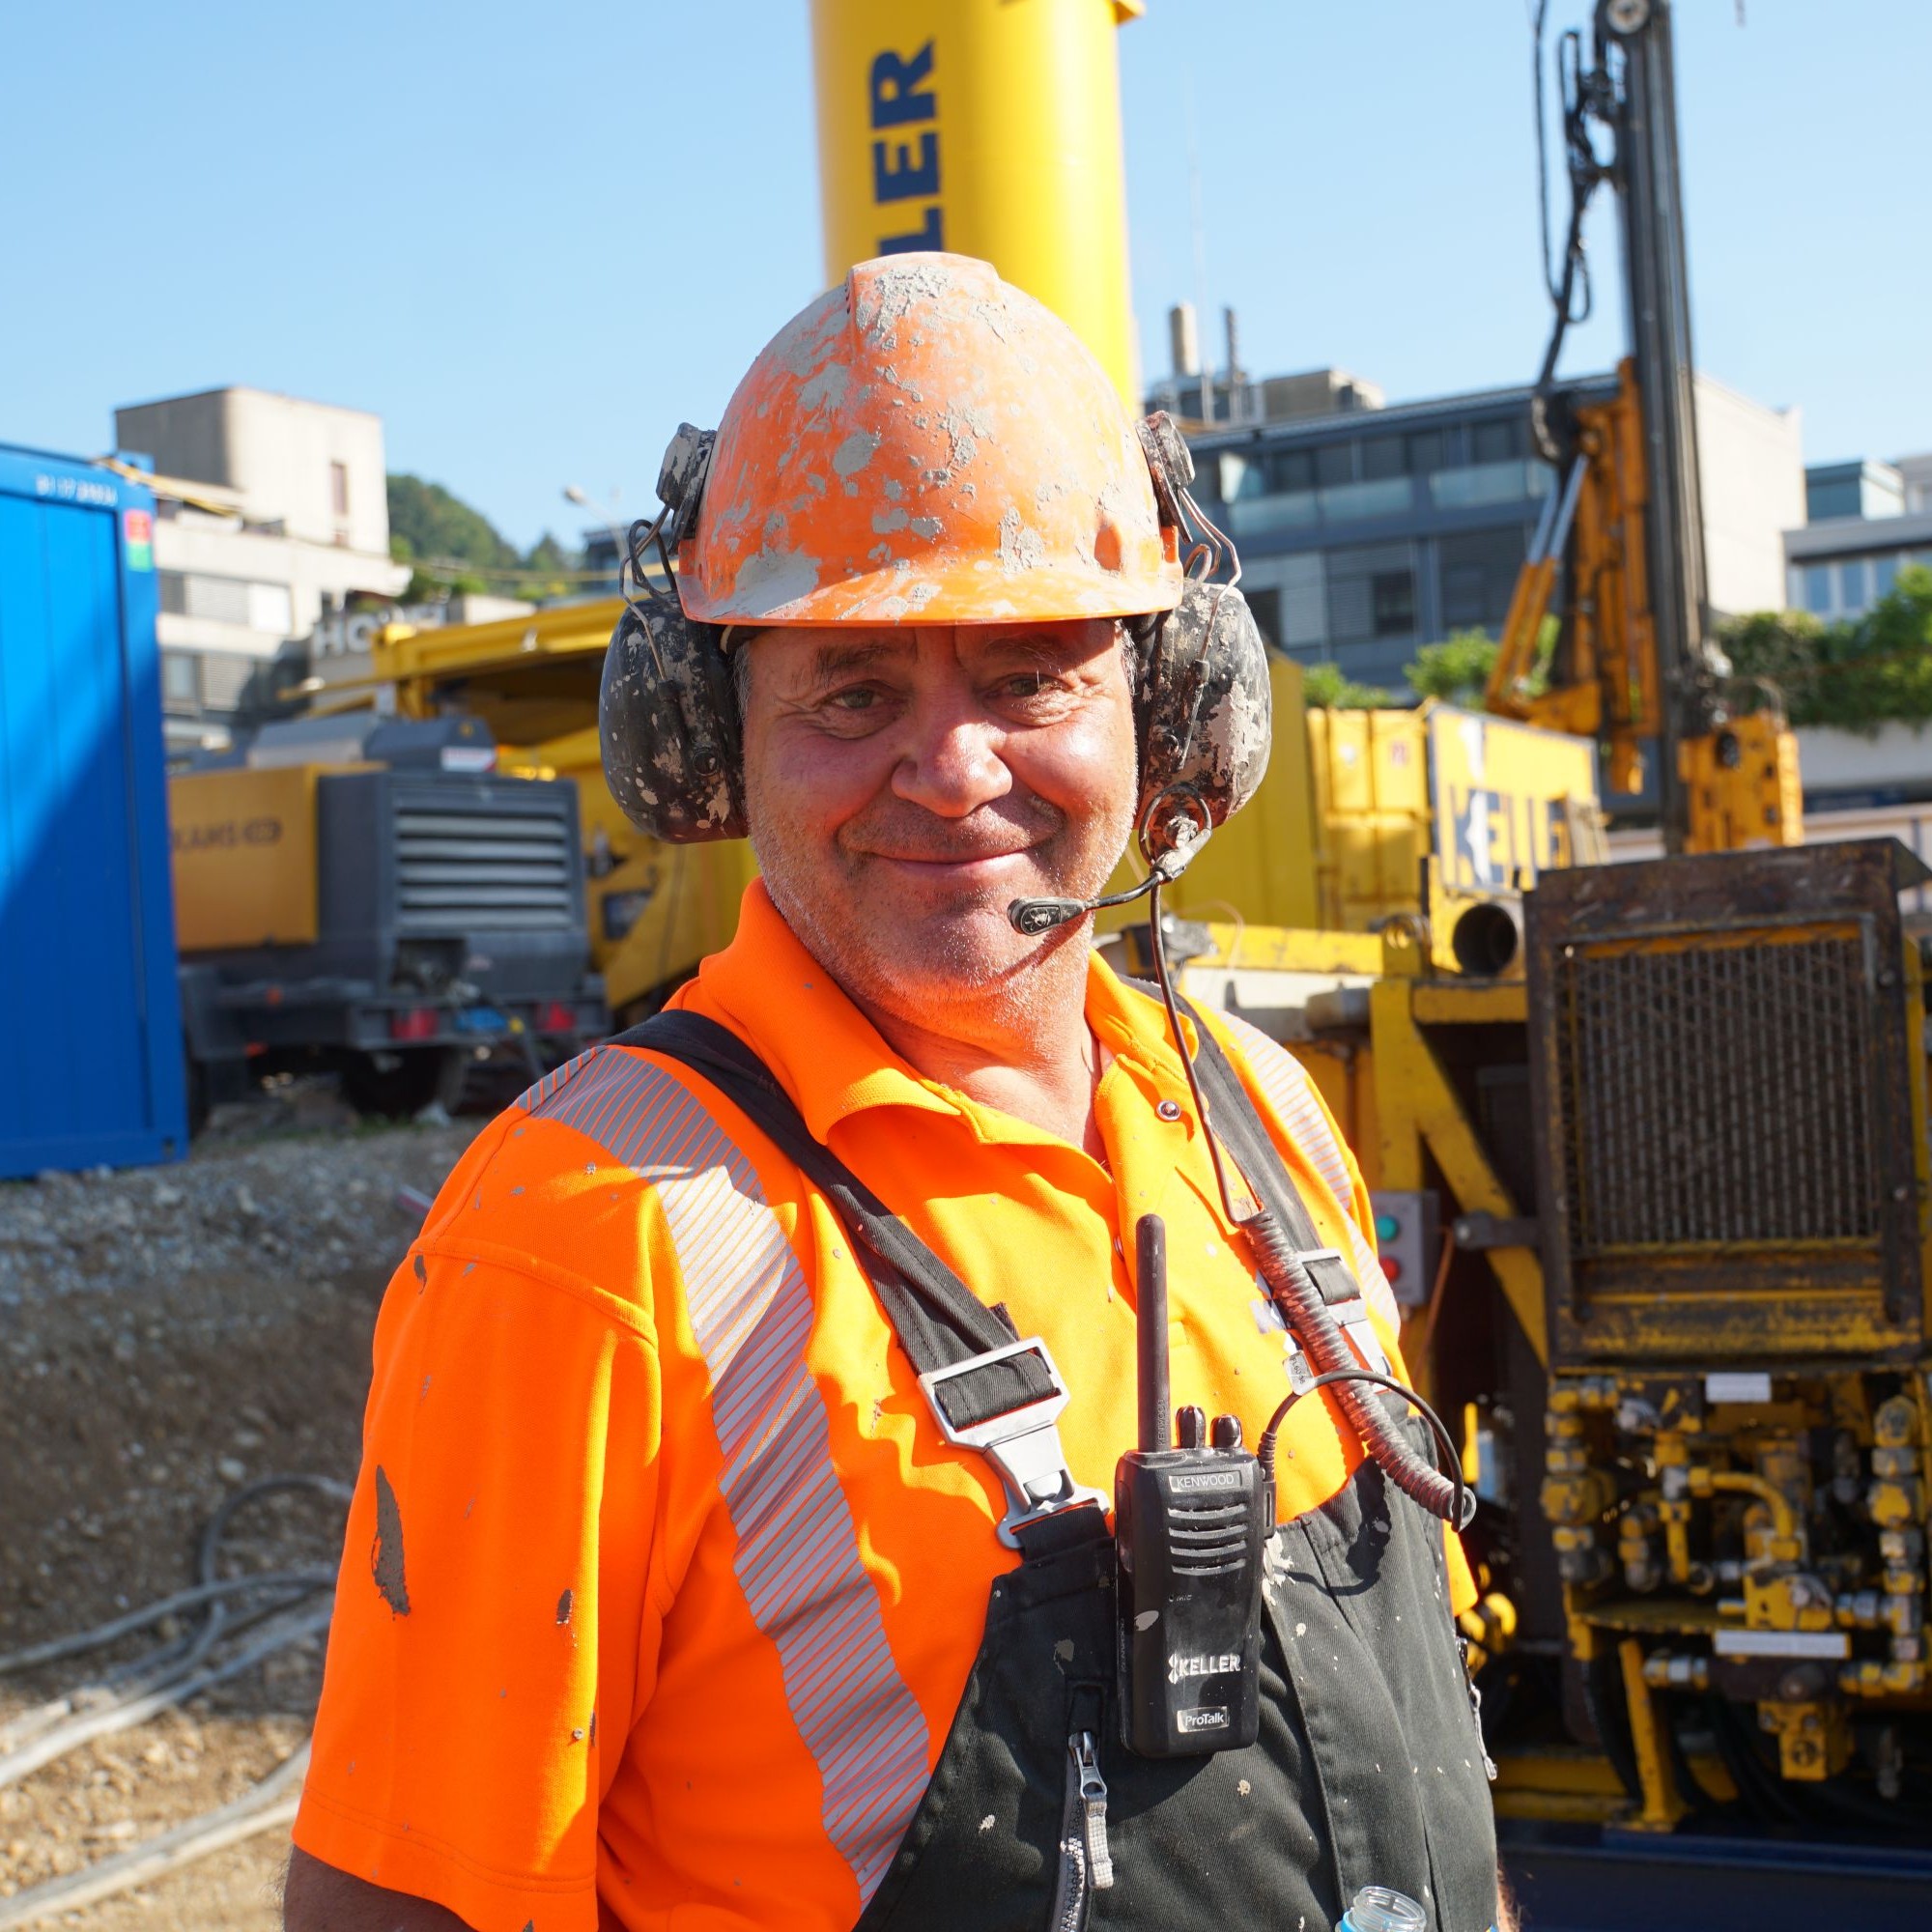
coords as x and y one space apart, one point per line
1190 1522
1190 1525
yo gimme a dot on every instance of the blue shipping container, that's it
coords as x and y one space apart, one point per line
90 1016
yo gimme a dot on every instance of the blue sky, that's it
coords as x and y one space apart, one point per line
534 239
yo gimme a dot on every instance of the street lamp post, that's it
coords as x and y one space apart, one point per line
574 493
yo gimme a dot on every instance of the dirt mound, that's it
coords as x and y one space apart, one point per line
167 1337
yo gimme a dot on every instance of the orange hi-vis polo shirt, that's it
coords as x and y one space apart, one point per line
661 1585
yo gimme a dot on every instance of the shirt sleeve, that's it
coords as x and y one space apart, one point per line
496 1616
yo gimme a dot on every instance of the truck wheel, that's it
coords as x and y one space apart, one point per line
396 1093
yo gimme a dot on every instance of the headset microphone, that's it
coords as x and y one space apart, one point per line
1175 828
1036 916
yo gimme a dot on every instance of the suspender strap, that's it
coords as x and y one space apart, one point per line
990 1391
939 1321
1237 1126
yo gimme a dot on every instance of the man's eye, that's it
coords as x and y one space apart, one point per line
1028 683
860 698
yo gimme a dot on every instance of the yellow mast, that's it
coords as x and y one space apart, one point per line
987 128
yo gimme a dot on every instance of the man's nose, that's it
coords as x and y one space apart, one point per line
953 764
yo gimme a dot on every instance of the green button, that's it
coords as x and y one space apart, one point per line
1387 1227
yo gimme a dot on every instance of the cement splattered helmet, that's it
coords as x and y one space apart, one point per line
926 443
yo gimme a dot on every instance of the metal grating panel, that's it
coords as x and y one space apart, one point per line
1711 1093
482 867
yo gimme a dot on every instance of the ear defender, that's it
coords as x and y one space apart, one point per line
1203 696
667 715
668 707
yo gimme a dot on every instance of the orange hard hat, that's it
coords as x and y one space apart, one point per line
926 443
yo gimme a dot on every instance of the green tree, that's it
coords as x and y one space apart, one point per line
437 524
452 546
549 566
1456 669
1858 673
1325 687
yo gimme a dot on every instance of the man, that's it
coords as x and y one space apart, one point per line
667 1600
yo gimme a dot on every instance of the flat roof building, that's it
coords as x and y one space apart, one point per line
269 511
1367 532
1867 522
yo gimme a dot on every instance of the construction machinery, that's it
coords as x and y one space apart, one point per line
1363 817
1658 1209
370 896
984 129
651 912
1633 659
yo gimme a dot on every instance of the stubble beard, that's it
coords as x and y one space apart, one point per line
966 971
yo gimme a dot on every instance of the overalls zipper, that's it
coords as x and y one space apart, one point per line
1086 1863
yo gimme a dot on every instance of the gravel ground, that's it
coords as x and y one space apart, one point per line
167 1336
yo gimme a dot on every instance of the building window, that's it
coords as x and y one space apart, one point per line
174 593
1289 471
181 681
1237 478
1479 573
1851 585
1818 590
1266 607
1498 441
1335 463
1426 453
339 487
216 600
1371 593
1382 457
1885 576
1304 602
271 609
1393 598
225 678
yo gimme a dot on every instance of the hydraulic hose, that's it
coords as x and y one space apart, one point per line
1307 1316
1297 1297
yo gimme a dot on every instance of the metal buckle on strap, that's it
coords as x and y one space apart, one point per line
1023 1445
1308 1256
1351 1316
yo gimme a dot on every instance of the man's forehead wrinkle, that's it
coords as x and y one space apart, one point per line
852 654
1046 645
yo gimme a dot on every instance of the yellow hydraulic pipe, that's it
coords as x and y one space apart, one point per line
989 127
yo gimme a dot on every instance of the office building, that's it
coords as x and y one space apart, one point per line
1365 532
271 511
1865 523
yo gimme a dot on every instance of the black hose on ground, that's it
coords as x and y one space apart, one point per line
150 1614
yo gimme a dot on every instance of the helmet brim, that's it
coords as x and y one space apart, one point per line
976 592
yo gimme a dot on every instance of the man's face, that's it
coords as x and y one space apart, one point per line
906 783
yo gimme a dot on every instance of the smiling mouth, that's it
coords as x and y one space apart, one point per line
945 862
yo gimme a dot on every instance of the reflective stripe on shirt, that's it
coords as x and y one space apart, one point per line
797 1558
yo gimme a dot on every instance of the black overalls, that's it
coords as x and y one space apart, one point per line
1369 1769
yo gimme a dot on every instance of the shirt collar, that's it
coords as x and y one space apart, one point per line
783 1003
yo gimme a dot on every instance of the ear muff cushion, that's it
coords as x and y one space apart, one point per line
1204 703
668 718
